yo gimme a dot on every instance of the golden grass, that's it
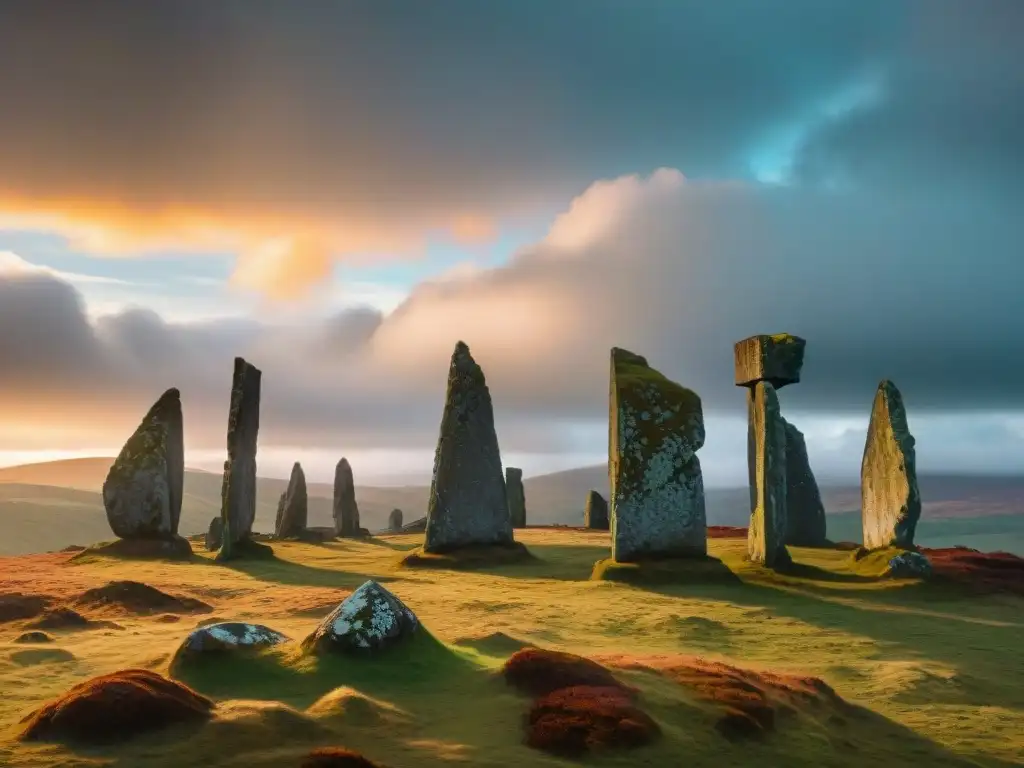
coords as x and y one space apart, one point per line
942 672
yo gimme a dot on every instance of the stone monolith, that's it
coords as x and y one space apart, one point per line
395 520
516 495
766 534
805 512
595 513
345 509
293 507
238 495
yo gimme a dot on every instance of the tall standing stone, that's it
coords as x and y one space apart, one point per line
595 514
395 520
766 534
890 499
238 494
293 507
143 489
516 495
467 503
805 512
656 427
345 509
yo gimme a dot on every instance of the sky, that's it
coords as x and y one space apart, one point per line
339 192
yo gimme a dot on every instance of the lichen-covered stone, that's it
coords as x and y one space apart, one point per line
228 636
215 534
468 505
143 489
890 499
369 619
395 520
595 513
805 512
766 534
345 509
656 427
776 359
238 494
909 565
293 507
516 495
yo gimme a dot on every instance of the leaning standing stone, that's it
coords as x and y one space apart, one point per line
345 509
516 495
143 489
293 508
656 427
370 619
467 503
595 514
238 495
766 535
890 499
776 359
805 512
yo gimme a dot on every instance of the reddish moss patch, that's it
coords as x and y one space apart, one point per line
133 597
15 606
980 571
538 672
726 532
336 757
116 707
578 719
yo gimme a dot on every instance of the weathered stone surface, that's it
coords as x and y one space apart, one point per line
776 359
143 489
293 507
215 534
890 499
416 526
595 514
909 565
805 511
516 495
656 427
228 636
369 619
395 520
467 505
766 535
345 509
238 495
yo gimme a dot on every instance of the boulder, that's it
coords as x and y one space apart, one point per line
395 520
238 495
370 619
656 427
143 489
776 359
805 512
293 507
215 534
228 636
595 514
516 495
467 505
345 509
766 534
909 565
890 499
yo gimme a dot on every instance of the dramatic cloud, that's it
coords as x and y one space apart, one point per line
296 133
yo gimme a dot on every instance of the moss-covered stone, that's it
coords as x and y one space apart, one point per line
345 509
776 358
516 495
595 513
890 499
656 427
766 534
370 619
805 511
293 507
238 492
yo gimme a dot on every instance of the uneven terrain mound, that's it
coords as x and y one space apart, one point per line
470 557
133 597
336 757
116 707
983 571
538 672
173 548
67 618
16 606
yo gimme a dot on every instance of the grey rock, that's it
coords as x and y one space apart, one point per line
909 565
805 511
228 636
238 495
370 619
766 534
595 514
418 525
293 507
467 504
215 534
890 499
143 490
776 359
516 495
395 520
345 509
656 427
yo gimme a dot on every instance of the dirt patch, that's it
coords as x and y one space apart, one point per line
136 598
538 672
336 757
980 571
67 618
726 532
176 548
470 558
116 707
33 637
16 606
573 721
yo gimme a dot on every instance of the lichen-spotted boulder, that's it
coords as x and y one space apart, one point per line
238 492
908 565
293 507
656 427
805 512
369 619
766 534
516 495
345 510
890 499
143 489
595 513
776 359
227 637
467 505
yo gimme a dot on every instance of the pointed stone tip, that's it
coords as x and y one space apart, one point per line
622 356
343 462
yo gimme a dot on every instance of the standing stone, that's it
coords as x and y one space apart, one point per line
395 520
238 494
805 512
656 427
143 489
776 359
467 503
595 514
215 534
890 499
345 509
516 495
293 508
766 535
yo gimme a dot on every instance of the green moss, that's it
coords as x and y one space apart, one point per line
875 562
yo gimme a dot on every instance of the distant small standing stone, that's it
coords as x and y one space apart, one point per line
293 507
395 520
215 534
805 512
369 619
238 496
766 535
345 509
595 514
516 495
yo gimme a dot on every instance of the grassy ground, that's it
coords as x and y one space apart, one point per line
943 671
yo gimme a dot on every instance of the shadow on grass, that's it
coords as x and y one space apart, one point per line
289 572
